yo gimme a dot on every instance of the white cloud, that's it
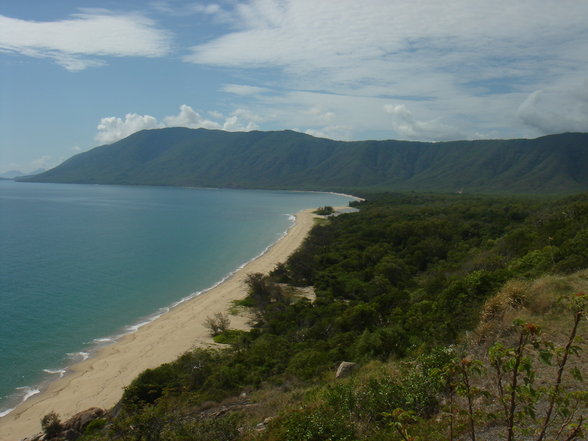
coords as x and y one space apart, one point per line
347 117
189 118
321 114
351 38
112 128
242 89
192 119
247 115
406 125
342 133
211 8
552 111
215 114
186 9
468 61
79 41
233 124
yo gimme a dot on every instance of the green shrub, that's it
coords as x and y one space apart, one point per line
317 424
149 386
308 363
95 426
533 263
230 337
325 211
224 428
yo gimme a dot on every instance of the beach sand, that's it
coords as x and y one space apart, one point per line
99 380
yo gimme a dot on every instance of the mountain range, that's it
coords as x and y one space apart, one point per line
293 160
11 174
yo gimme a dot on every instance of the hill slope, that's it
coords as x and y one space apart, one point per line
288 160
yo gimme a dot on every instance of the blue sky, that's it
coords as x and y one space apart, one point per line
77 74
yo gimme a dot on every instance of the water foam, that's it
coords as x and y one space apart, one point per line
103 340
6 412
60 372
78 356
25 392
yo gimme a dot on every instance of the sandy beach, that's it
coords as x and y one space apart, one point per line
99 381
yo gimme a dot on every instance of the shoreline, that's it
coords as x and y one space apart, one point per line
99 380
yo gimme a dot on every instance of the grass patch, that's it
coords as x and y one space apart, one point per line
230 336
247 302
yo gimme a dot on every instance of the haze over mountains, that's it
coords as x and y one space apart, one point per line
292 160
11 174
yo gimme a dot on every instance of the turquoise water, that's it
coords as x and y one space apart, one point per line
83 264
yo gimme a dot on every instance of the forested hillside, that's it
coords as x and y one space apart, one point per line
421 291
292 160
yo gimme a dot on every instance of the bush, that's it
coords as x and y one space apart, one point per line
308 363
149 386
204 429
533 263
217 324
230 337
317 424
325 211
95 426
51 425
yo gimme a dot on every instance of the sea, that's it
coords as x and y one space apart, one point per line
83 265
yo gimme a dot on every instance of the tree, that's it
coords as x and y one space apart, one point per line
51 425
325 211
262 290
217 324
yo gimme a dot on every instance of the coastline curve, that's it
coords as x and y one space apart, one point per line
99 380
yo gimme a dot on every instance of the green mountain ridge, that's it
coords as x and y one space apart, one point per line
293 160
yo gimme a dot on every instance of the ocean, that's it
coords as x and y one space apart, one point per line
82 265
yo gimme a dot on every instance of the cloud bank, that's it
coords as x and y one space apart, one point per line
112 128
465 67
85 38
351 41
556 111
406 125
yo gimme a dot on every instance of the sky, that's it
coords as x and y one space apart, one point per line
75 74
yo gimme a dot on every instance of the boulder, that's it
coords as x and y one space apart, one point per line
260 427
80 420
345 369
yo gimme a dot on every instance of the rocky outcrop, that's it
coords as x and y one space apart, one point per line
80 420
73 428
345 369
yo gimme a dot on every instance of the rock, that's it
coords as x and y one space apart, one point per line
345 369
260 427
80 420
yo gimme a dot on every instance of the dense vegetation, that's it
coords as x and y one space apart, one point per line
292 160
402 279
